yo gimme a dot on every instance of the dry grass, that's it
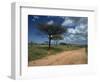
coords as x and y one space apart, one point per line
78 56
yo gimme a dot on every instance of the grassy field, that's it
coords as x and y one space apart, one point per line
39 51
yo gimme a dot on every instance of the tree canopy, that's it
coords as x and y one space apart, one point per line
53 31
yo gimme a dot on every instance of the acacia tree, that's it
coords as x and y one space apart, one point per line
51 30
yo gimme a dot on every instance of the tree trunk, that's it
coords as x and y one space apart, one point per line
49 42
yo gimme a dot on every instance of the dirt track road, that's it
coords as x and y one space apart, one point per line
67 57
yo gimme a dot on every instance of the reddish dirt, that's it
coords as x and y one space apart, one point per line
78 56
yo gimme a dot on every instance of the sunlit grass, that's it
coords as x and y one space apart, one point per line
40 51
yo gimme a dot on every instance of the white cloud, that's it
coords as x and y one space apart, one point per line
33 19
66 22
36 17
83 20
50 22
71 30
81 28
78 39
77 34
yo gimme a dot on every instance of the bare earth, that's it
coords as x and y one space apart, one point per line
78 56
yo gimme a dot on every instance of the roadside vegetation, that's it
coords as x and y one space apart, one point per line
38 51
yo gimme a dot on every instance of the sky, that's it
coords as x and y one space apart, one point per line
77 28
